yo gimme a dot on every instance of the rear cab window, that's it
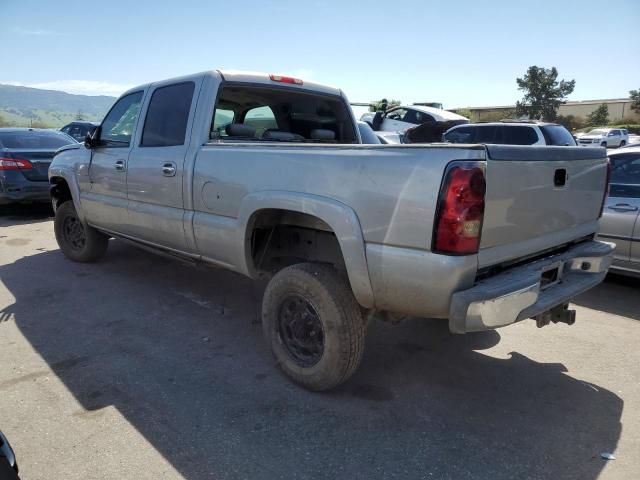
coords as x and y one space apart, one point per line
557 135
262 118
269 113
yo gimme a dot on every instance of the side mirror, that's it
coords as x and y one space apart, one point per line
92 139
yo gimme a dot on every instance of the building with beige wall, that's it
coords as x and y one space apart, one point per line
619 110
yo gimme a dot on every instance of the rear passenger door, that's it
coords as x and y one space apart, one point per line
156 169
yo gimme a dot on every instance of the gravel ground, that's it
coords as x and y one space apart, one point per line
140 367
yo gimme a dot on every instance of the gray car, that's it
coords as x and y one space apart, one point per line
25 155
620 221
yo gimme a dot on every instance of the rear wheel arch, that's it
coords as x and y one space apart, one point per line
323 217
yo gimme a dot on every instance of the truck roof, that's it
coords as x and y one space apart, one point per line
248 77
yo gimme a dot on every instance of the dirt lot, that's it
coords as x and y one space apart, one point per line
139 367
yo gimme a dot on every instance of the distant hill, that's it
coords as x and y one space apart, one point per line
25 106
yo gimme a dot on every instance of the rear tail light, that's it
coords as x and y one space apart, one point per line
280 78
606 187
458 222
14 164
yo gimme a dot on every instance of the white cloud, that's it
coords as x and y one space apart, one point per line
79 87
32 31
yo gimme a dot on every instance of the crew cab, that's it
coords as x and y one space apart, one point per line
267 175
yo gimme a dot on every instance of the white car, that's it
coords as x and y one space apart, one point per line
399 119
605 137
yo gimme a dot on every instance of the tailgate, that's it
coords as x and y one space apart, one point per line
539 198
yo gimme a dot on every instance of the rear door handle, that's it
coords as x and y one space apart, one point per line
623 207
119 165
169 169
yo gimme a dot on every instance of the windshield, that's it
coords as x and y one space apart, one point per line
34 139
597 132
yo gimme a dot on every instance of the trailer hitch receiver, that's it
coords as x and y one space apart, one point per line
559 314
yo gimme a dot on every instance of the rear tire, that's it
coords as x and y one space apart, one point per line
313 325
622 143
78 242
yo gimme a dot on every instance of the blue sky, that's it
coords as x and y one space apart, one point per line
461 53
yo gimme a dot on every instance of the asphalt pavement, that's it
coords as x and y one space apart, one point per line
140 367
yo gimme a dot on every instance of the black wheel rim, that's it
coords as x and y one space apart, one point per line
73 232
300 330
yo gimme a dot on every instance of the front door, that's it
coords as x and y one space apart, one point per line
156 166
620 217
105 201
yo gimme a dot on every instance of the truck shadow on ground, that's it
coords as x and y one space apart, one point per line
178 352
618 295
21 214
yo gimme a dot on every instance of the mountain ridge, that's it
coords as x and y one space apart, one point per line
27 106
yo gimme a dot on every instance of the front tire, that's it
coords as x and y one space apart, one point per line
603 144
78 242
314 325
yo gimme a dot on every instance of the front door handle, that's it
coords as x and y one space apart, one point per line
119 165
169 169
623 207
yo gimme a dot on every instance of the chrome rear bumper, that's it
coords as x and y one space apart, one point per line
531 289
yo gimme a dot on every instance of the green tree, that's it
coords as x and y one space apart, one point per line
634 95
465 112
571 122
383 105
543 93
599 117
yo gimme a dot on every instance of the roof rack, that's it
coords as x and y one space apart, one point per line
520 120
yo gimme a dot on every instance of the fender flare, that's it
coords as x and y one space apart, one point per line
340 217
69 177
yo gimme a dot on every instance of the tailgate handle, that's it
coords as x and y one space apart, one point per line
560 177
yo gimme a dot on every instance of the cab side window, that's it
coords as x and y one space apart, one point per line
262 118
221 118
119 123
168 115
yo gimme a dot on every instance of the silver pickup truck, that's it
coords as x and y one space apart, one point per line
267 176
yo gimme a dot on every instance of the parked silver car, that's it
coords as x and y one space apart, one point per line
620 221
